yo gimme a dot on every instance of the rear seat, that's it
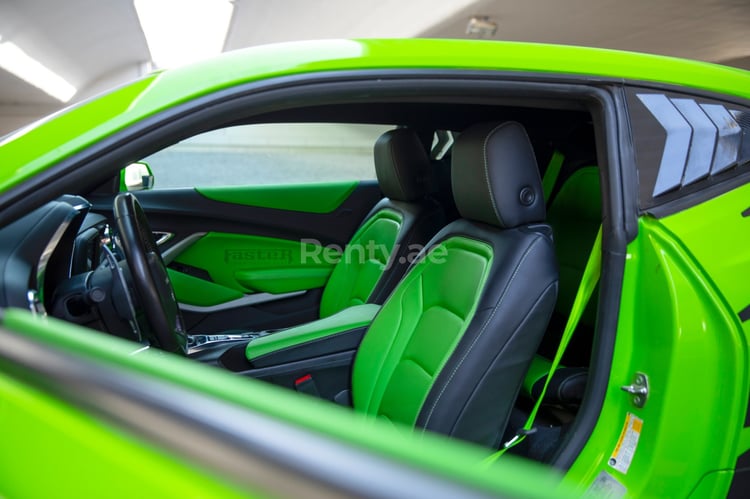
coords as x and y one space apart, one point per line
574 213
575 216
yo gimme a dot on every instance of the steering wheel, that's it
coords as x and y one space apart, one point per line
150 279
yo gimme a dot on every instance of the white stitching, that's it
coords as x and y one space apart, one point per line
481 332
486 170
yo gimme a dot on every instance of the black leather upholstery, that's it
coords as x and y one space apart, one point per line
401 165
495 176
421 221
403 170
474 393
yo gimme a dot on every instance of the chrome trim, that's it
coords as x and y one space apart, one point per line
35 305
162 237
142 349
245 301
200 342
41 268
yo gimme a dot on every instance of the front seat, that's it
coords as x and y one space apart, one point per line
450 347
405 217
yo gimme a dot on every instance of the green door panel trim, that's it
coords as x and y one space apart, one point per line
278 281
248 264
323 197
349 318
418 327
430 453
200 292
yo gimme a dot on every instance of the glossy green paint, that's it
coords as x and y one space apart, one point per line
321 197
43 145
452 459
714 232
345 320
51 449
674 323
250 264
718 235
29 150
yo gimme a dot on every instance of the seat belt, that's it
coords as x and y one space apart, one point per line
589 279
551 174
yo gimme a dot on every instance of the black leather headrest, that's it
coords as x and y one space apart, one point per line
401 165
495 176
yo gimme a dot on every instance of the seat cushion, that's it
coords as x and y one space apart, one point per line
411 339
449 349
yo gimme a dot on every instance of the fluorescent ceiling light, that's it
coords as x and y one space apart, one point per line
183 31
16 61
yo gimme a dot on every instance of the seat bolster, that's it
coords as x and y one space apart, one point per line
420 223
474 393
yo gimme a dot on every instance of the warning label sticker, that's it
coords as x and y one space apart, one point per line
624 451
605 487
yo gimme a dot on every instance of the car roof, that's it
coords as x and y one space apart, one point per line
29 151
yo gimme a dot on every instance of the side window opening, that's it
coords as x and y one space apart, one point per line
270 153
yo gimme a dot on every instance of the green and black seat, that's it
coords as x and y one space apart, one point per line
383 246
449 348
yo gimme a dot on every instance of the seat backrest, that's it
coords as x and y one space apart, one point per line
449 348
379 253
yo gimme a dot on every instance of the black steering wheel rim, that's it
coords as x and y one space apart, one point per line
152 285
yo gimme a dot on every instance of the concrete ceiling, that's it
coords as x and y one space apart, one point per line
96 44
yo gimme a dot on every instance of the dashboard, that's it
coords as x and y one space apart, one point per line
49 260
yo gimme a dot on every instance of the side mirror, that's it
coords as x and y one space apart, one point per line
136 177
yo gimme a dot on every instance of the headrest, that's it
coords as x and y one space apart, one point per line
495 176
401 165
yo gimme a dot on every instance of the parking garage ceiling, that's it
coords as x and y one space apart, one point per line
95 44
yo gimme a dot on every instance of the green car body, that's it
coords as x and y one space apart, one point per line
674 302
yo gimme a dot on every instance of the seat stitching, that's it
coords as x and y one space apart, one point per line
481 332
487 174
396 169
380 375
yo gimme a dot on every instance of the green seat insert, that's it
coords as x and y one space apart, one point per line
379 252
449 348
363 262
409 344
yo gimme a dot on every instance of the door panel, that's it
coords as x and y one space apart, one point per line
235 265
254 264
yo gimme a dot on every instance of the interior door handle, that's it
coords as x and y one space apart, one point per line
162 237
